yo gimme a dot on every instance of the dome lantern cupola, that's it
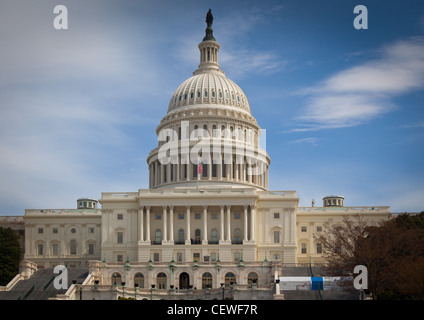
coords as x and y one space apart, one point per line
208 50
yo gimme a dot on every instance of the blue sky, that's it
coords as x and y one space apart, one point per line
342 108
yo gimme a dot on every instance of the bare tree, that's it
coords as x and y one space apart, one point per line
344 247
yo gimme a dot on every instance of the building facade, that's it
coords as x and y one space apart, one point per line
208 218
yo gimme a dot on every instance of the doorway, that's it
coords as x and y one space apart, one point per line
184 280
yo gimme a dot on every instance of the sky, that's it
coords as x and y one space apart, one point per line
342 108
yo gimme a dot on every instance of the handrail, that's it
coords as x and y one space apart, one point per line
27 294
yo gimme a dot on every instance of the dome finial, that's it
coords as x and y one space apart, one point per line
209 30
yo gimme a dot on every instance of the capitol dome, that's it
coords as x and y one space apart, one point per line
209 88
208 137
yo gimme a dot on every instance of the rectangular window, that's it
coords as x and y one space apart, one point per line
40 230
55 230
303 248
196 256
276 236
179 257
40 249
120 237
205 170
197 216
90 248
276 215
213 256
237 215
237 256
90 230
276 257
303 229
319 229
120 258
319 248
181 216
156 257
55 249
120 216
214 216
158 216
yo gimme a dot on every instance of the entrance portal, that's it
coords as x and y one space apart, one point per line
184 280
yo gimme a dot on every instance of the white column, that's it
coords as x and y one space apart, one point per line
221 217
228 223
178 167
148 224
205 225
188 236
252 223
140 223
266 177
209 165
171 223
164 237
245 223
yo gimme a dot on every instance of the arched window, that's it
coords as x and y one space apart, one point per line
116 279
230 279
206 280
73 247
158 236
205 131
214 131
252 278
139 280
196 131
161 281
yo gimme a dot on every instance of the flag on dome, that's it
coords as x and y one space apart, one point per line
199 168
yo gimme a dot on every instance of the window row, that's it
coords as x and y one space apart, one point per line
304 248
162 280
73 230
198 94
305 229
237 237
240 134
72 248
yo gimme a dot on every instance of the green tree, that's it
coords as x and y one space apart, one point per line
10 255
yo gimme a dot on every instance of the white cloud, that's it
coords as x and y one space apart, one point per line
364 92
67 99
311 140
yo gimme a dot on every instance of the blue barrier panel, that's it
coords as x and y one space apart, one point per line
317 283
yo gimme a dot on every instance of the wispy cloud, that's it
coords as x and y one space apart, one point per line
310 140
362 93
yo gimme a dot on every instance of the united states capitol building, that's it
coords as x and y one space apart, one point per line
208 220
